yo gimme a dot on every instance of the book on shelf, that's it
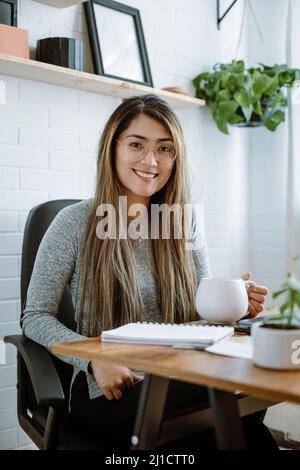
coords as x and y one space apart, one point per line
169 334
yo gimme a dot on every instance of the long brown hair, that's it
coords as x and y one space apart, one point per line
110 283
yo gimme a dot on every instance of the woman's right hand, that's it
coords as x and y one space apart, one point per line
113 378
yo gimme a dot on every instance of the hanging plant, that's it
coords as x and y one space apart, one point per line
246 97
276 339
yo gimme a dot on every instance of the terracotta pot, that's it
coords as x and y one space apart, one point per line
14 41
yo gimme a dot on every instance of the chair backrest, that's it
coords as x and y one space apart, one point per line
38 220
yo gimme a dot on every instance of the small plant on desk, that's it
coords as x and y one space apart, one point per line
289 317
276 340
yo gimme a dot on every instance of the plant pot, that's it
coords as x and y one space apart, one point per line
276 348
14 41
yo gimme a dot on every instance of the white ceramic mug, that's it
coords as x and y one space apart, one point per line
222 300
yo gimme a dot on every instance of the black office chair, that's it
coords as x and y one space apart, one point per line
43 380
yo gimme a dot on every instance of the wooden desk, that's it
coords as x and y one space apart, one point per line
219 373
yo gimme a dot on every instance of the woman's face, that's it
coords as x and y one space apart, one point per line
143 177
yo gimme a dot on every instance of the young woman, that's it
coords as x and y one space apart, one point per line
115 280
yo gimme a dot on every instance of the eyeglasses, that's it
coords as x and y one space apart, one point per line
136 149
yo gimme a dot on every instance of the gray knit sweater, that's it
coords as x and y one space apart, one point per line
57 264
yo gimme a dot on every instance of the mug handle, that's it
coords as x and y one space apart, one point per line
249 283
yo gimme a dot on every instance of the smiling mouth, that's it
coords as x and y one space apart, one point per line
145 174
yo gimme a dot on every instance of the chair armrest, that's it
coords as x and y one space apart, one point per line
44 378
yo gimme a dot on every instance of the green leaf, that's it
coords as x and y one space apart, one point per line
298 302
235 119
294 284
202 76
285 306
224 79
247 111
273 120
279 292
277 318
237 66
271 85
275 69
220 121
278 99
257 109
234 83
222 126
260 82
280 68
242 98
225 109
270 124
223 95
286 78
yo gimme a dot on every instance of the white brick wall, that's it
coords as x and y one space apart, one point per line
49 137
19 200
8 311
8 134
24 113
9 178
39 179
268 160
8 439
23 157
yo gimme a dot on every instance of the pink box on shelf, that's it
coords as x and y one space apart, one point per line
14 41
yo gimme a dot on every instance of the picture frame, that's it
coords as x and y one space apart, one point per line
126 57
9 12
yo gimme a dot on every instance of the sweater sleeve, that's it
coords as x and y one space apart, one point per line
203 268
53 268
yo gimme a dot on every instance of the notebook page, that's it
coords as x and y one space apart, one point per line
235 347
169 334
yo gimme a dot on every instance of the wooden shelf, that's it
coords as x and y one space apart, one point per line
60 3
54 75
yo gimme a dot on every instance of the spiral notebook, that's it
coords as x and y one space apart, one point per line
182 335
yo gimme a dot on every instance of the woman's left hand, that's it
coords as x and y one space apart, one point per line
256 296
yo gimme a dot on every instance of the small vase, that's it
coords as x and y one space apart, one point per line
64 52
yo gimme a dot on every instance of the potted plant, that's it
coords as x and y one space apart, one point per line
276 340
246 97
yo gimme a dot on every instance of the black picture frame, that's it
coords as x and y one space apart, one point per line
138 67
9 12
